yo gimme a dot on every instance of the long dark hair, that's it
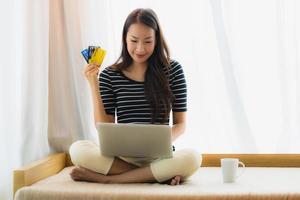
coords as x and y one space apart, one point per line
157 90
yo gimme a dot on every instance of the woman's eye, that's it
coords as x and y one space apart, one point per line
148 42
133 40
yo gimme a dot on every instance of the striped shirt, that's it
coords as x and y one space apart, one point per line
126 99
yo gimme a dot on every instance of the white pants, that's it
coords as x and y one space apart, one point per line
184 162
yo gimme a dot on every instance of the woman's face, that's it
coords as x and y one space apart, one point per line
140 41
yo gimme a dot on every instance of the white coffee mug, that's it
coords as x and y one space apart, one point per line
230 169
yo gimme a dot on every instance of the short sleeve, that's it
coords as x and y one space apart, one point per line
106 92
178 87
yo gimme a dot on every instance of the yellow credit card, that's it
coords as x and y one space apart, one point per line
98 56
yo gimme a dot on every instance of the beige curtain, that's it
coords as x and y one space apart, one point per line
70 108
24 55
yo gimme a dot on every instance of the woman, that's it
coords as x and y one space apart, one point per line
143 86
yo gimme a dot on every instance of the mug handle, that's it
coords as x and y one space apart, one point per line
243 165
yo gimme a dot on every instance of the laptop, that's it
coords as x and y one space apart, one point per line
135 140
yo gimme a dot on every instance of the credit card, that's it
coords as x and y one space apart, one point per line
85 54
91 50
98 56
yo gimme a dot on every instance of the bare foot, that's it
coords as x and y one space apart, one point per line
174 181
83 174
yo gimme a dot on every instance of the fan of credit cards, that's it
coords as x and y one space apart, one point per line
94 55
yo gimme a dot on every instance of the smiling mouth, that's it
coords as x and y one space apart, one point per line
140 56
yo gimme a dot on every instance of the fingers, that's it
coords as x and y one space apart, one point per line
91 70
90 67
93 65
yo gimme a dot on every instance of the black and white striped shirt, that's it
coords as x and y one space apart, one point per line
126 98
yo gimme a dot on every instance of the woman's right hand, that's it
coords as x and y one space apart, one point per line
90 72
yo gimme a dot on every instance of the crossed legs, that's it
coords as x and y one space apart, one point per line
120 172
92 166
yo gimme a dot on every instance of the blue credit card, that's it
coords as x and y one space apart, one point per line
85 54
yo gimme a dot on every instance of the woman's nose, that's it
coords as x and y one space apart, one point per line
140 48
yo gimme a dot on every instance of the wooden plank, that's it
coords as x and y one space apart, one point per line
38 170
250 160
254 160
